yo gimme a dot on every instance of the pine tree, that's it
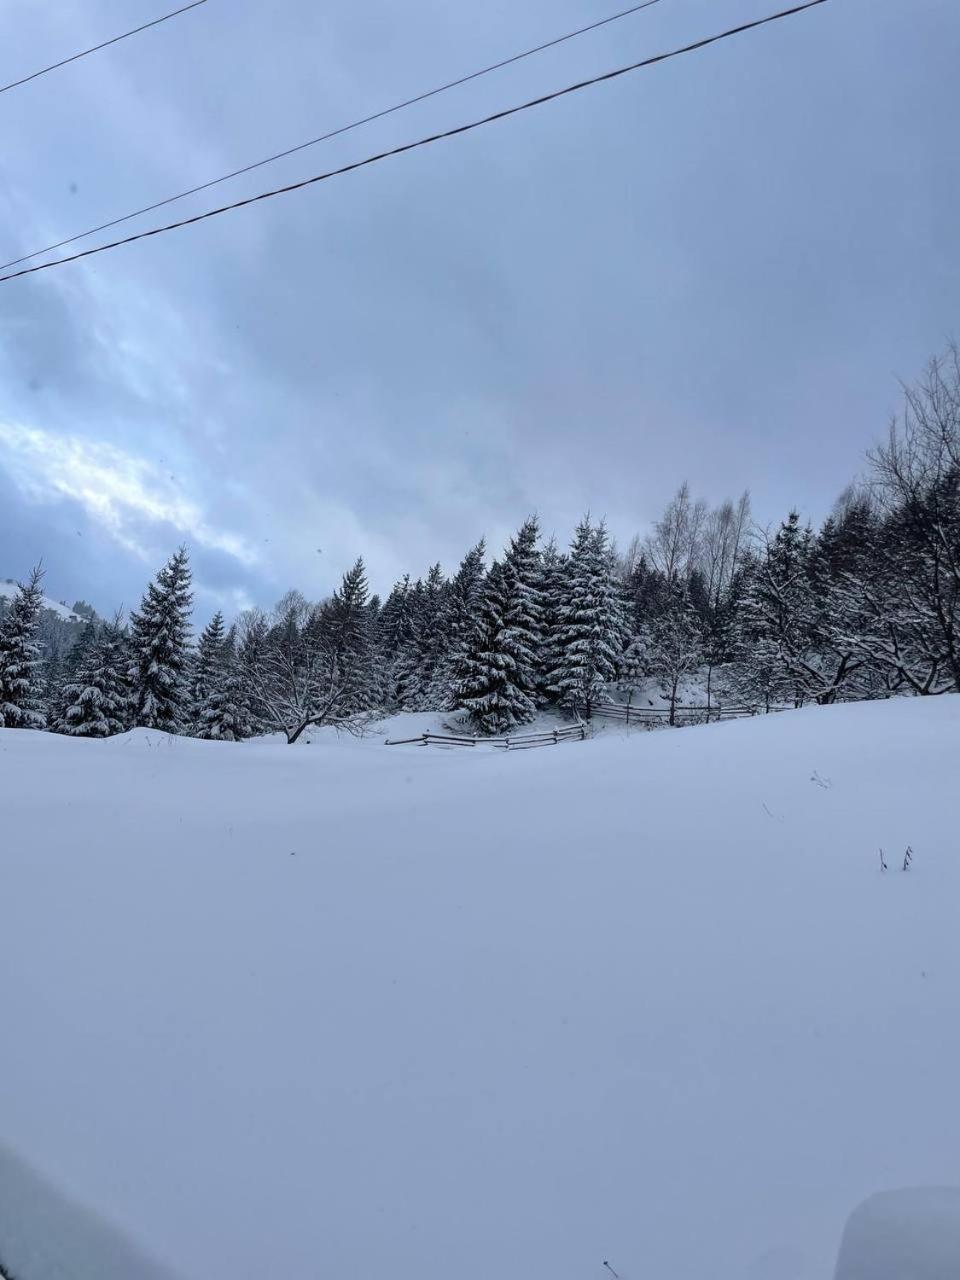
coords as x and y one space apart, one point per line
21 665
460 604
788 613
206 665
499 672
251 652
554 567
58 683
349 638
95 700
486 685
424 644
394 635
159 649
223 716
523 609
588 635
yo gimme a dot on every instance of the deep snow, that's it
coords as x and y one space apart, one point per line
360 1011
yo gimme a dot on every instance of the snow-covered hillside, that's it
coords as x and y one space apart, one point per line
368 1012
8 589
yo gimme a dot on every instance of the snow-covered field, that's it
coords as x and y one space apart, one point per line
367 1012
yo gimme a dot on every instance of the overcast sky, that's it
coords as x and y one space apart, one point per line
714 269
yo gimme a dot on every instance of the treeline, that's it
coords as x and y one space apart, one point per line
868 605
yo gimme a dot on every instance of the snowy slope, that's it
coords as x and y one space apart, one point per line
8 589
44 1234
374 1012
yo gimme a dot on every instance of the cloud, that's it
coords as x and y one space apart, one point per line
117 490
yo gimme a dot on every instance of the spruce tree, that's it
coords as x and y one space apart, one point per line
424 644
348 637
69 667
554 567
223 715
159 649
95 700
590 626
394 635
523 608
251 656
21 665
487 685
459 611
206 664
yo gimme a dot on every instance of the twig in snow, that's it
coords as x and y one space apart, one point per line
610 1269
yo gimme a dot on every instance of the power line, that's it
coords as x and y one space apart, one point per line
15 84
423 142
335 133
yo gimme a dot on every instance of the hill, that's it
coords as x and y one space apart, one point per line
356 1011
8 589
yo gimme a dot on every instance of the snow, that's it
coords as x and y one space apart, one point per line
913 1234
44 1235
8 588
365 1011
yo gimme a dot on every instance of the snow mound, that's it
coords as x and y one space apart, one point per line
44 1236
365 1011
912 1234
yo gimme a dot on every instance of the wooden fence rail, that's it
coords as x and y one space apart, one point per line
514 742
659 715
577 732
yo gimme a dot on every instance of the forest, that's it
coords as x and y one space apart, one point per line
865 606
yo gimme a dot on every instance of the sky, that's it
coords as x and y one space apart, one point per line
718 269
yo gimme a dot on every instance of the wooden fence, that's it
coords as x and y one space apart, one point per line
514 742
650 716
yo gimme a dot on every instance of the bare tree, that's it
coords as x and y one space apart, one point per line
675 544
917 475
299 687
722 544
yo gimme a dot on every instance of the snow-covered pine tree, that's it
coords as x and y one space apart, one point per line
251 654
21 665
499 673
783 613
378 674
159 649
523 609
554 567
347 635
56 699
95 699
634 667
394 632
459 611
590 626
486 685
223 715
206 664
425 645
